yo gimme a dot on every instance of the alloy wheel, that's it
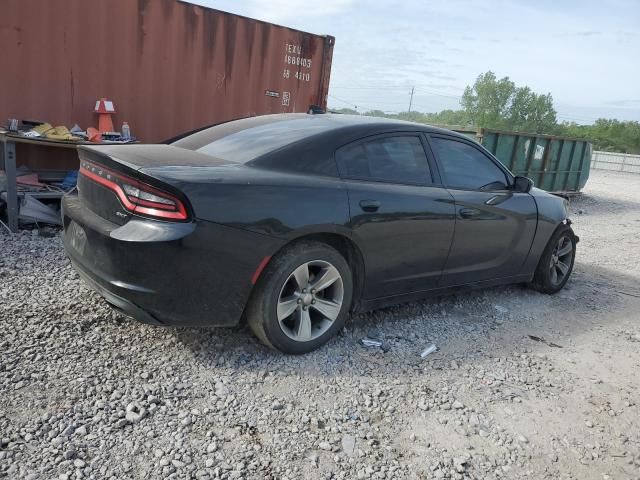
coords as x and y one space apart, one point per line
310 300
561 260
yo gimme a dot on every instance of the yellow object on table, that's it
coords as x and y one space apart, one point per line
42 129
55 133
61 133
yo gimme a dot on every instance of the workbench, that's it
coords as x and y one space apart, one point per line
9 142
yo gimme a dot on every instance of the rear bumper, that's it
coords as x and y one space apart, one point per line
119 303
165 273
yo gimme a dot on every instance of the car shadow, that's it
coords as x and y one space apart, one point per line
490 322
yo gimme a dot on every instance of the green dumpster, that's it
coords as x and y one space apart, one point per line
556 164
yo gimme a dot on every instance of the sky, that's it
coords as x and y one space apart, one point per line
586 53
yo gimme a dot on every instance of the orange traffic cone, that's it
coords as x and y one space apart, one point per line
104 109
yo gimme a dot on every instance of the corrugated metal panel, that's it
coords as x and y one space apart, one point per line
169 66
555 164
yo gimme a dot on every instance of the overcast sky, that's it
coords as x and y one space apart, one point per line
586 53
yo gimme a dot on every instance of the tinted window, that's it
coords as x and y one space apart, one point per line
464 166
391 159
246 145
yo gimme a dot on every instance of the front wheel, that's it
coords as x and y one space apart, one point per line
302 299
556 263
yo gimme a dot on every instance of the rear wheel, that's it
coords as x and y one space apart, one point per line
556 262
302 299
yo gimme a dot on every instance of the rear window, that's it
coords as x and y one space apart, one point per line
249 144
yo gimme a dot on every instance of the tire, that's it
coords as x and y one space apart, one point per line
288 319
544 279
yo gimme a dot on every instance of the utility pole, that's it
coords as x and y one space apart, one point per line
411 100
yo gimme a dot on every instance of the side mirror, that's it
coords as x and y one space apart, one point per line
522 184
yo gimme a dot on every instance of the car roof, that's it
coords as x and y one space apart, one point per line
308 125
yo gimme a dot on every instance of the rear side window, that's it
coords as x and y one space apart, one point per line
395 159
464 166
246 145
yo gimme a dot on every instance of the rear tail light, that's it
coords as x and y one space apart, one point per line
135 196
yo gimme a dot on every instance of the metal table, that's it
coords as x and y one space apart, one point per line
9 141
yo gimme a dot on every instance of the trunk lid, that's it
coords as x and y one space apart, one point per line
129 161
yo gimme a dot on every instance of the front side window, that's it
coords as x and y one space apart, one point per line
393 159
465 167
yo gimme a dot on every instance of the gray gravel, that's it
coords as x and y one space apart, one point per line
87 393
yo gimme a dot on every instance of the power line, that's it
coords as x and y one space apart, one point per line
391 85
380 105
377 106
394 87
365 107
343 101
370 87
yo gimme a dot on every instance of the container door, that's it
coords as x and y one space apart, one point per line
401 221
494 226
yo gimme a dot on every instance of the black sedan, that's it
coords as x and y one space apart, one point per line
289 222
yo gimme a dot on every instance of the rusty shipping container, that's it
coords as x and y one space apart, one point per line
169 66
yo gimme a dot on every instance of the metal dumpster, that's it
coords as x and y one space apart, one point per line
555 164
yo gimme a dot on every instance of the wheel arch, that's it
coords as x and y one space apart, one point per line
566 223
345 246
541 284
545 231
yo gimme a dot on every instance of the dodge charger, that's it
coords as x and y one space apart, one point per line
290 222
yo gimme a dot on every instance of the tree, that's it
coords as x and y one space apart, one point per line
376 113
494 103
347 111
487 101
606 134
449 117
412 117
498 103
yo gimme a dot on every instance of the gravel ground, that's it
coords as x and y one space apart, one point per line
86 393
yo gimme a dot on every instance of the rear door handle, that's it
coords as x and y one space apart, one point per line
369 205
469 212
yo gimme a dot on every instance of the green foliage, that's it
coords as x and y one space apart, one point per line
378 113
346 111
445 117
493 103
500 104
451 117
608 135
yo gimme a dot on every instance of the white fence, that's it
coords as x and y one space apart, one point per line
617 162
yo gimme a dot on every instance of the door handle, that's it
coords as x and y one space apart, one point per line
469 212
369 205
